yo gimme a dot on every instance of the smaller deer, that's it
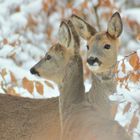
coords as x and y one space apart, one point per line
80 120
102 57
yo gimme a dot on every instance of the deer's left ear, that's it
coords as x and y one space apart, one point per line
64 34
84 29
115 25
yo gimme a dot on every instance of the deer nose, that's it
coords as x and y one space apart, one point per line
91 60
34 71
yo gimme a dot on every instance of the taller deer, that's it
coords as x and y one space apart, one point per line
101 59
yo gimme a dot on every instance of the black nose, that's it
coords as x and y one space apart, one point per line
91 60
34 71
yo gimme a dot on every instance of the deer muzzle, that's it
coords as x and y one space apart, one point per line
93 61
34 71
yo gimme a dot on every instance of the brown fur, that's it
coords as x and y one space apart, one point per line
80 117
103 83
29 119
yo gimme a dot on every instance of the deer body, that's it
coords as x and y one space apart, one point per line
101 59
29 119
81 119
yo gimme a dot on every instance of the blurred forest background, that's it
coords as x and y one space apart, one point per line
29 27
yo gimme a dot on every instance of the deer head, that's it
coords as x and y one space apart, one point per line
52 65
102 46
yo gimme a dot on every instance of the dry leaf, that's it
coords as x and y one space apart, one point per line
134 122
138 37
5 41
31 21
11 91
49 84
85 5
3 73
123 67
126 87
13 78
115 70
134 61
28 85
69 5
134 77
127 107
39 87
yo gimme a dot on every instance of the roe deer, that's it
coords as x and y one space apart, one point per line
101 60
80 120
55 67
35 119
29 119
38 119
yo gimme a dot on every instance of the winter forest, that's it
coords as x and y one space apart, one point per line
28 28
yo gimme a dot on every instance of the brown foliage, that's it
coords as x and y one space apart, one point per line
133 75
28 85
12 91
39 87
3 73
127 107
49 84
13 78
134 61
134 122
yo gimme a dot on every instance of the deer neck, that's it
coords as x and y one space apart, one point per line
72 88
103 85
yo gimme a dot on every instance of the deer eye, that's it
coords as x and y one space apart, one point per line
87 47
107 46
48 57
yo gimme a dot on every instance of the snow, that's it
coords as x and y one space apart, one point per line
138 53
31 43
133 14
133 45
5 50
32 8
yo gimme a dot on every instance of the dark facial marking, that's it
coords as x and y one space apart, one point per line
48 57
34 71
87 47
92 60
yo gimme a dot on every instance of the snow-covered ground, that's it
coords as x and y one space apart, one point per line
26 31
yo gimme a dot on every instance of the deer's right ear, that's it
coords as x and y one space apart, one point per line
84 29
115 26
64 34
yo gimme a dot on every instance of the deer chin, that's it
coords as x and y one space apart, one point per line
95 67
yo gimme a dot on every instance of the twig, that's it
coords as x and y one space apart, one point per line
127 56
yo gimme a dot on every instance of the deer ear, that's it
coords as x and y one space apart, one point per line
64 34
75 40
115 26
84 29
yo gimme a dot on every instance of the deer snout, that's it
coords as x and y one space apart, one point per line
34 71
92 60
